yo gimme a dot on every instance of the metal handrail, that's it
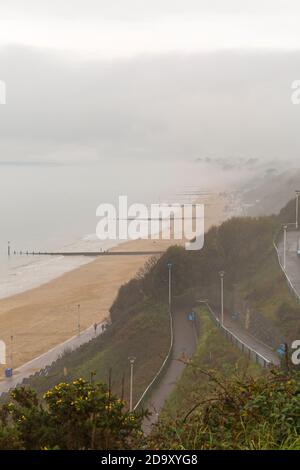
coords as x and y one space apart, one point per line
282 268
162 366
266 361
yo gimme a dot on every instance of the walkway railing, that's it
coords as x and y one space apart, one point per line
289 282
162 367
245 348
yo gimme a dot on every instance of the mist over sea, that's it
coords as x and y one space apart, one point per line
52 206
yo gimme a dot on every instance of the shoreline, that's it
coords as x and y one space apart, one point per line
30 272
39 319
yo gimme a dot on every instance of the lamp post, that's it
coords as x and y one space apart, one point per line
11 351
285 227
78 319
131 360
222 274
170 286
297 208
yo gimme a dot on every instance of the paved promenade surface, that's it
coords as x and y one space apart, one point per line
185 341
46 359
292 259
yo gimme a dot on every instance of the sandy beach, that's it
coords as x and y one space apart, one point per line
44 317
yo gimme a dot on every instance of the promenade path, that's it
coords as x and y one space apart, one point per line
46 359
292 268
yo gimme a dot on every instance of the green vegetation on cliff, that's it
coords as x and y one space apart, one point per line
222 401
255 288
214 353
142 331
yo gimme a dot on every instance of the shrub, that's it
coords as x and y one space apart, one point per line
79 415
242 414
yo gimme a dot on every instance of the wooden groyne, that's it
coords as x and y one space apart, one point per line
86 253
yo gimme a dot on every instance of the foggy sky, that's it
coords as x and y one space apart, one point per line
123 28
89 80
170 106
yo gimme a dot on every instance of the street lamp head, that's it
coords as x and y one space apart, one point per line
131 359
222 273
169 265
297 192
285 227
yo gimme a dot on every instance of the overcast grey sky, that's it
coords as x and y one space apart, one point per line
149 79
127 27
